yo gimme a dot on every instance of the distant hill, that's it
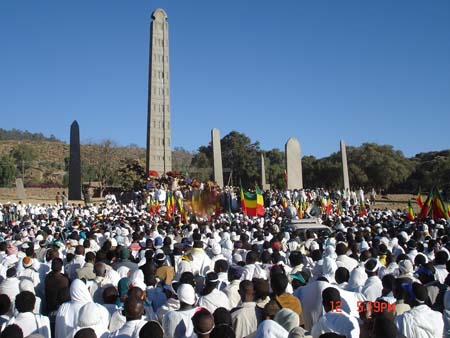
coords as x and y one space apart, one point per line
20 135
51 156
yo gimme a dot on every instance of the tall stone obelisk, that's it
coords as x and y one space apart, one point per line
159 157
74 163
217 156
263 174
345 167
294 164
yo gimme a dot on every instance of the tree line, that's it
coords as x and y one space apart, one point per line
370 166
20 135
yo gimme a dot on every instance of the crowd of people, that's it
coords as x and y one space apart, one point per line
110 269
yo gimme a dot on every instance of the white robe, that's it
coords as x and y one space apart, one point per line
420 322
310 297
98 322
372 288
271 329
232 293
178 324
357 280
214 300
129 330
67 316
31 323
10 287
337 322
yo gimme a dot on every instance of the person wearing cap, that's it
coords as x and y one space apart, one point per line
211 297
373 287
124 260
163 271
420 321
28 271
178 323
406 270
244 319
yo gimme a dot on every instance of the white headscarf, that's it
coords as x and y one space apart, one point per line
98 322
79 292
357 279
123 271
27 285
113 276
329 267
67 316
137 279
287 318
271 329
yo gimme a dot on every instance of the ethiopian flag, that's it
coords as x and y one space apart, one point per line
427 205
252 203
329 207
300 210
419 200
439 207
339 208
410 213
362 209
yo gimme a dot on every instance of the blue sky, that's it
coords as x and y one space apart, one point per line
364 71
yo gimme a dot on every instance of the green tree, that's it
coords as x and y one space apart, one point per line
239 155
201 164
181 159
275 167
7 170
24 156
103 165
131 175
310 166
383 166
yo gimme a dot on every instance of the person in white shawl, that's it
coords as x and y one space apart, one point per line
373 287
310 298
67 316
28 321
212 298
133 310
96 317
27 285
271 329
420 321
357 280
335 320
